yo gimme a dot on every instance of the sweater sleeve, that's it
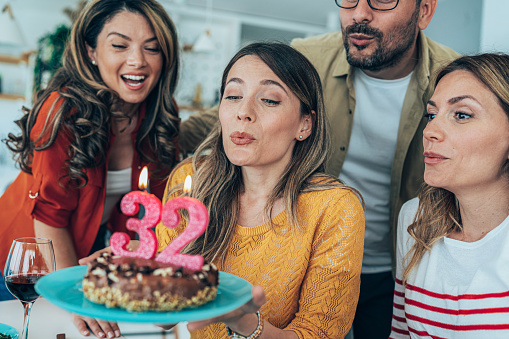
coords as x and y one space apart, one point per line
399 328
54 202
330 288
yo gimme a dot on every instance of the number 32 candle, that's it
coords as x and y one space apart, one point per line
198 221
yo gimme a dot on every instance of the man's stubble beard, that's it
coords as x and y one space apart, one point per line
384 56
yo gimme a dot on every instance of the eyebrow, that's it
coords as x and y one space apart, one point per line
272 82
455 100
128 38
266 82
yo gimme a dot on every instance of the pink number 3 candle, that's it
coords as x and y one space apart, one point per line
130 206
198 221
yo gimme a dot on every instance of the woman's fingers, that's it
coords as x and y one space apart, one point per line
100 328
131 246
81 325
108 329
86 260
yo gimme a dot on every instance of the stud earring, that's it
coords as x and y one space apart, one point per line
93 62
300 136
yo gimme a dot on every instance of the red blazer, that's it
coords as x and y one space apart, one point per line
40 196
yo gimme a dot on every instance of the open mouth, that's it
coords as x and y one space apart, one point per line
133 80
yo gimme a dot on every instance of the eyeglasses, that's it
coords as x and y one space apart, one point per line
379 5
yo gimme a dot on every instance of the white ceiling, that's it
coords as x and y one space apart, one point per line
305 11
313 12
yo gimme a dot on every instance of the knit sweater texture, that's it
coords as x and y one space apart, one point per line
311 278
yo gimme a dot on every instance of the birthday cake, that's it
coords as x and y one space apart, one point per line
138 284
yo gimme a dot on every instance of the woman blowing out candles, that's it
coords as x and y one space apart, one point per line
107 112
276 219
452 279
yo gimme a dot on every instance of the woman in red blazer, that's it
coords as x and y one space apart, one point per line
106 113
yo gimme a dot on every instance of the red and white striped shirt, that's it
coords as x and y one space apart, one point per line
457 290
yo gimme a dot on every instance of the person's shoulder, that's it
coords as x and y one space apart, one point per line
319 44
328 208
337 196
439 52
406 217
181 171
408 211
51 103
41 130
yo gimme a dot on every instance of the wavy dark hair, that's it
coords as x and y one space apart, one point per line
218 183
438 213
92 103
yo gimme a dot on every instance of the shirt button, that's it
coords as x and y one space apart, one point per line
342 148
349 111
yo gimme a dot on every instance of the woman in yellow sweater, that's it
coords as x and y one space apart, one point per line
276 219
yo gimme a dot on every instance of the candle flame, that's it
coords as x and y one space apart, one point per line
142 183
187 185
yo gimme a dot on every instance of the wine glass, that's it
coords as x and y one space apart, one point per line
29 259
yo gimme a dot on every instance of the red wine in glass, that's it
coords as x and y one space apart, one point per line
22 286
29 259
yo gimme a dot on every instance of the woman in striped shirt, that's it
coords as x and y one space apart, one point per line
452 277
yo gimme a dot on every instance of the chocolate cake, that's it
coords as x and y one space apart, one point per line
148 285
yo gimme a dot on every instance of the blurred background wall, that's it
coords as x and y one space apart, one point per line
210 32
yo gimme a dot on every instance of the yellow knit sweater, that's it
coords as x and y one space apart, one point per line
311 278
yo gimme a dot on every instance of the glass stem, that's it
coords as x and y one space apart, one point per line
28 307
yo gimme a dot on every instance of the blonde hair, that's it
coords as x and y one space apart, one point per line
438 213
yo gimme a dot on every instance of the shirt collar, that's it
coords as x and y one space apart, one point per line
341 65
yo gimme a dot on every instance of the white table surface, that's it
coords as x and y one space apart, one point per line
48 320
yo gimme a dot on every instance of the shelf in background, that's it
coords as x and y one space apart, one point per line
9 59
6 96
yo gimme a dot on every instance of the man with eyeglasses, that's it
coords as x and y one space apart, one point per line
376 80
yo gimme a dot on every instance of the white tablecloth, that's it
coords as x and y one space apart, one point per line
48 320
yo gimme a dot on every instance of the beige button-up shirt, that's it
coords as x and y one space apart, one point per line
328 55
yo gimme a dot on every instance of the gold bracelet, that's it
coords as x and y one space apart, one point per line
256 333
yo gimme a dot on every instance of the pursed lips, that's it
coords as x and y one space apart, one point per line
241 138
360 39
431 158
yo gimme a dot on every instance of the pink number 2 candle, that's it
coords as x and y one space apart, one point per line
198 221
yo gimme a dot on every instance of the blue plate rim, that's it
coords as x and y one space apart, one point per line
74 275
12 331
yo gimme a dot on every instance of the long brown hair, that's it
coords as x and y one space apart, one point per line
92 102
218 183
438 213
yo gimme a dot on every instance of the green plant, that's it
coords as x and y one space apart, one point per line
49 56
